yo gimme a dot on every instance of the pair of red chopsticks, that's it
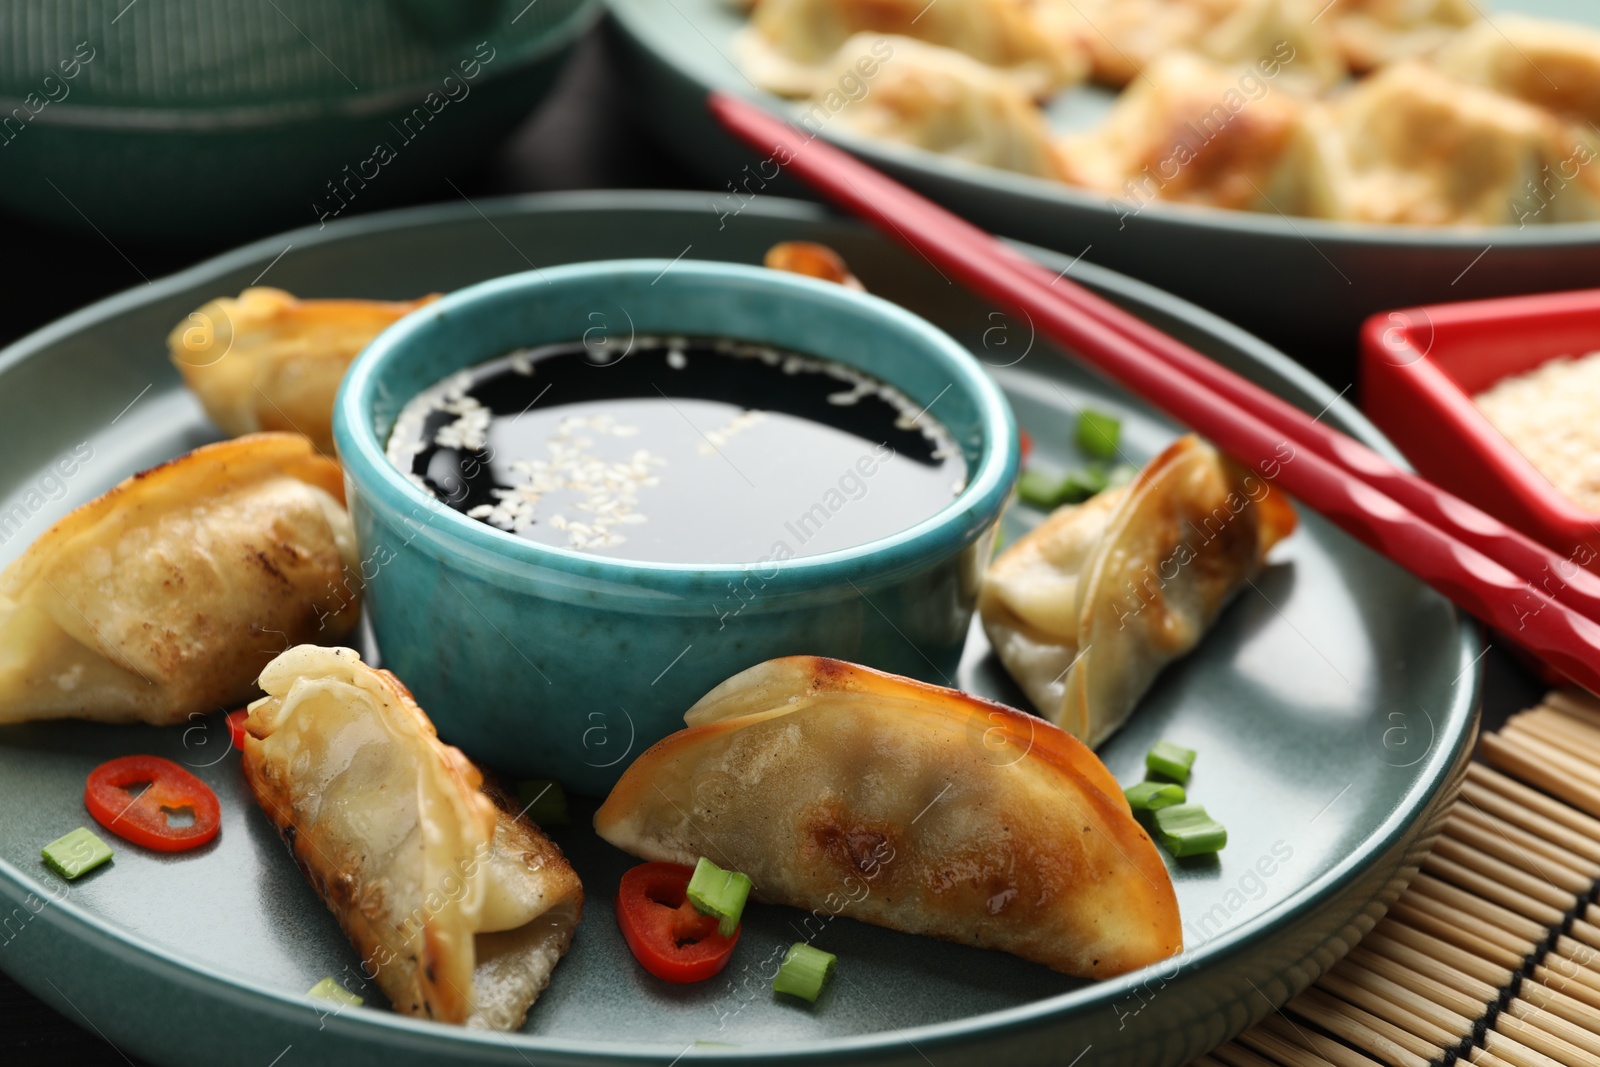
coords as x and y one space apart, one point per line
1545 602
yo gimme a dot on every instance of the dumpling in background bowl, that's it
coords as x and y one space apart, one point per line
943 101
1553 65
789 44
1410 145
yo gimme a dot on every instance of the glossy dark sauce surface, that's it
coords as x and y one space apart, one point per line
679 450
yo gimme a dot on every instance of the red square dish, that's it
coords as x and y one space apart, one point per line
1420 369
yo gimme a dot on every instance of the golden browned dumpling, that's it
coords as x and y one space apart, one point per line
164 597
1125 37
789 42
1087 608
1553 65
940 100
906 805
1189 131
459 909
1284 34
1372 33
1410 145
267 361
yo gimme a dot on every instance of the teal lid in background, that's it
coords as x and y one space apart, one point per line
200 121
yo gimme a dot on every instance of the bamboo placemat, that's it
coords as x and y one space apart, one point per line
1492 955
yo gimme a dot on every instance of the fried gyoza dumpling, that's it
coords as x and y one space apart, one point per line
459 908
942 101
1085 609
267 361
165 596
1281 33
1372 33
788 43
1125 37
1193 132
1410 145
906 805
1553 65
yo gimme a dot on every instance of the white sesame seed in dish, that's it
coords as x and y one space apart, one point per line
1551 415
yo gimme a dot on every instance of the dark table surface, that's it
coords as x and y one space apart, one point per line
581 137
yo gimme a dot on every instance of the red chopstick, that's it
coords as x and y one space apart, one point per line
1559 577
1449 545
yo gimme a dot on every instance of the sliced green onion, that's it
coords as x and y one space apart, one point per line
1082 484
1098 433
1047 493
1170 761
1186 830
76 854
718 893
1121 475
328 989
1039 489
1153 796
804 971
545 802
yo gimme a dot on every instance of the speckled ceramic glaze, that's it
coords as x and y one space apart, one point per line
562 664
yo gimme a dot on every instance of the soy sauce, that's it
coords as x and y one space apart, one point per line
679 450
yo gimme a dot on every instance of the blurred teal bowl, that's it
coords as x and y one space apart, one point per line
204 122
546 662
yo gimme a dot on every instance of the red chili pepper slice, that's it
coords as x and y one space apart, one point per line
236 727
143 819
1024 446
668 937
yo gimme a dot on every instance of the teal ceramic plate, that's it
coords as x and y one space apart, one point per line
1333 706
1302 282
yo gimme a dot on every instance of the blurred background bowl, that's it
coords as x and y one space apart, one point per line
203 121
1304 285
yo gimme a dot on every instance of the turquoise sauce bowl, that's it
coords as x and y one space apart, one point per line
553 663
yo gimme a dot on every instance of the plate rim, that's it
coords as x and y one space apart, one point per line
638 19
1417 799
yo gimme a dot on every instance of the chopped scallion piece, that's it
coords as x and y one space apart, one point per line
545 802
804 971
718 893
1080 485
1170 761
1186 830
1153 796
328 989
1098 433
76 854
1039 489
